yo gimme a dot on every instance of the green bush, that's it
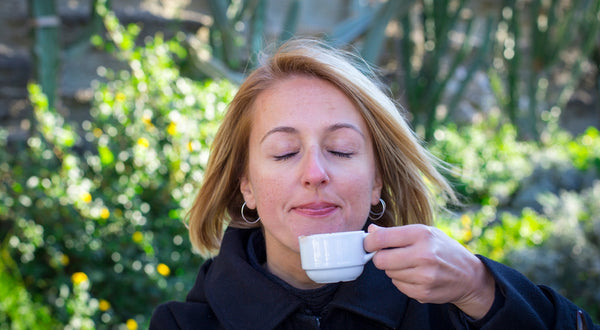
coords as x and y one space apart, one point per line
584 151
91 217
490 162
493 167
569 259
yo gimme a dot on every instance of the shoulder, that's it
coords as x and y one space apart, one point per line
183 315
193 313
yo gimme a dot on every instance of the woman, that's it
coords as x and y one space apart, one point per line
309 145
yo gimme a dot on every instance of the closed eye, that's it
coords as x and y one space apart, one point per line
341 154
286 156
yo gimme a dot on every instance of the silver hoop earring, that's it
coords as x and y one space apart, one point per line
377 215
244 217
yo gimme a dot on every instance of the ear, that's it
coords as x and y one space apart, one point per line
247 192
377 186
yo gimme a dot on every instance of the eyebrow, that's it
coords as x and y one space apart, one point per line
332 128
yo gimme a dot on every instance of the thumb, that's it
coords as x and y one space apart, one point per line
373 228
369 243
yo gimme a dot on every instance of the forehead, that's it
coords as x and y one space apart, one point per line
304 100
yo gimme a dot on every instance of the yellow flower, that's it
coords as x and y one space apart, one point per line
172 128
131 324
137 237
143 142
163 270
86 197
78 278
97 132
190 146
104 213
64 259
147 120
465 220
120 97
468 236
104 305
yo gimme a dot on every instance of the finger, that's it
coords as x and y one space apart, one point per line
393 237
394 259
369 242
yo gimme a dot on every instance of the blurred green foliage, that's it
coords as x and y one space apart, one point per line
490 161
91 215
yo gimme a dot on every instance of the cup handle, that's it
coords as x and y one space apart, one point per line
367 256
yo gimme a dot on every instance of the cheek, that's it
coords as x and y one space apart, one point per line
360 180
358 189
268 192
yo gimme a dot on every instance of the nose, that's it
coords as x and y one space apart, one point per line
314 171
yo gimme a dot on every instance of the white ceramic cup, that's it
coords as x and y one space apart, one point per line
335 257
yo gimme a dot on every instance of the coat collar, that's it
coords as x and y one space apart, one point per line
243 298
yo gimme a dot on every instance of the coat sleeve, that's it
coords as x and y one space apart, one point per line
183 315
529 306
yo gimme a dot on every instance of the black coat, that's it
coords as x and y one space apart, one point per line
230 294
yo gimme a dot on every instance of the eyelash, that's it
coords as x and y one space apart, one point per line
285 157
342 154
335 153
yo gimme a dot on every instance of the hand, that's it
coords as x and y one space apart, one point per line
430 267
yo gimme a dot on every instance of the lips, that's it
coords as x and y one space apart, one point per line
317 209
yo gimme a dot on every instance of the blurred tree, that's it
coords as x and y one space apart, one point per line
541 50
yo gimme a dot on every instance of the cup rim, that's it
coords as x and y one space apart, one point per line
337 233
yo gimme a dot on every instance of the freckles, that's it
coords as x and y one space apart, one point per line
269 192
356 179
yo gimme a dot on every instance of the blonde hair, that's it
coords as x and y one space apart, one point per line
408 171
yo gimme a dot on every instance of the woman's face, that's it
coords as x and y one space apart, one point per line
311 166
